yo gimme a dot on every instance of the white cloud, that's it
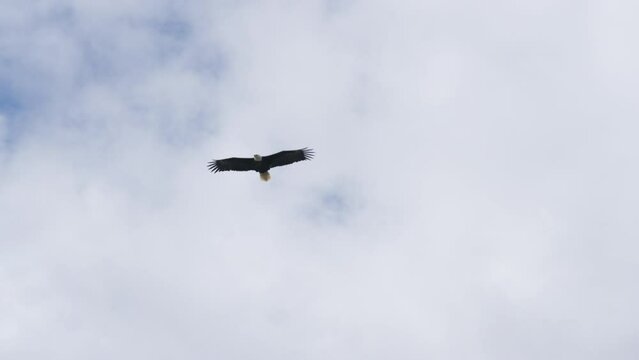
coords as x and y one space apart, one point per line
472 196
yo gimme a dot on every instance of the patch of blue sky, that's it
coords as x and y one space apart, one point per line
334 201
10 102
212 63
174 28
24 91
97 60
336 206
191 133
11 130
334 7
62 17
174 34
170 34
12 105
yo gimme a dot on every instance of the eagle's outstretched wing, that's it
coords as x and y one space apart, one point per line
288 157
232 164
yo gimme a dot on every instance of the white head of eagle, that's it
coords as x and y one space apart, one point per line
261 164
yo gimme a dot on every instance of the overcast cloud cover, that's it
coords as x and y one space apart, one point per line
474 193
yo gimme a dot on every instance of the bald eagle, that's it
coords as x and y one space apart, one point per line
261 164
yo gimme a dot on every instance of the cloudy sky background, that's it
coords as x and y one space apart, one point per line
473 195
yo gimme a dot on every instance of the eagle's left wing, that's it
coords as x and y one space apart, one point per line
288 157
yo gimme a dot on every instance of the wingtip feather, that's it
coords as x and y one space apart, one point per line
308 153
212 166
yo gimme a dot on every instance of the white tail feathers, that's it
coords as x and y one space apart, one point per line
265 176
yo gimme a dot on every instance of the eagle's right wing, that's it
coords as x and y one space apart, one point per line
232 164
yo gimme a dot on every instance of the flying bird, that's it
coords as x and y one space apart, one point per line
261 164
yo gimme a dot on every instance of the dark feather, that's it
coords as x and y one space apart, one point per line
288 157
232 164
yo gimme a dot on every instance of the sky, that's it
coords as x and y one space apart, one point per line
473 195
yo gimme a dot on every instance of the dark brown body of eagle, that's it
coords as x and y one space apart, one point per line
261 164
